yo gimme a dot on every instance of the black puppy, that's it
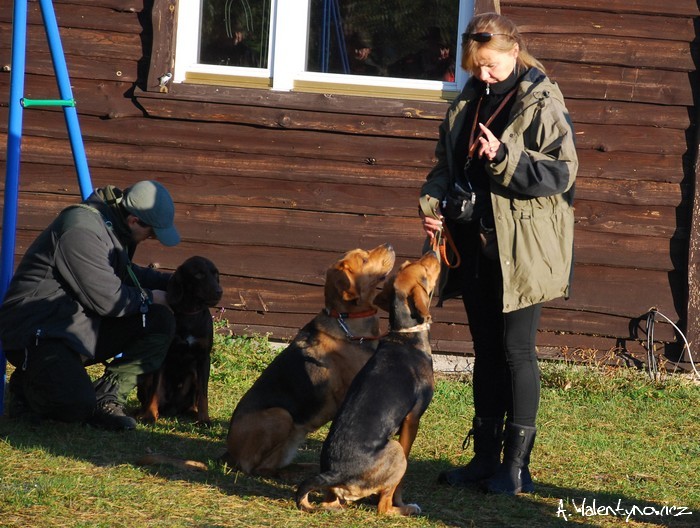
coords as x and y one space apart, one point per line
388 396
181 385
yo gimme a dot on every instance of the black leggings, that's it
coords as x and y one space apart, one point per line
506 373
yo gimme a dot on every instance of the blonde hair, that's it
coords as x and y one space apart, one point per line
506 36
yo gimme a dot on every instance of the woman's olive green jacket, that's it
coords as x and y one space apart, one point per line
532 189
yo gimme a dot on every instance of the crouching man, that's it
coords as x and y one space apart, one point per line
76 299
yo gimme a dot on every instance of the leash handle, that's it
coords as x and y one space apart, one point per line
440 243
443 238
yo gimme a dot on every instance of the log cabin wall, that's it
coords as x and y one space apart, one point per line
275 186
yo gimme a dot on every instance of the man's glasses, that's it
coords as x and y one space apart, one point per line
484 37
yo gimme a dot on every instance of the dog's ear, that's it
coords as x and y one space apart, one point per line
383 299
421 300
176 289
339 285
400 315
405 265
421 292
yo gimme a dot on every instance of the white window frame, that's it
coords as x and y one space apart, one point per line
287 60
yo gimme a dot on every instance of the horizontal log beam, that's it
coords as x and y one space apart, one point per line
682 8
531 19
612 51
224 170
114 16
81 41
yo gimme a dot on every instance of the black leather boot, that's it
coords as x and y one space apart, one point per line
488 442
513 475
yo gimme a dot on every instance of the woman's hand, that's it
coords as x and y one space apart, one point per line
431 226
489 144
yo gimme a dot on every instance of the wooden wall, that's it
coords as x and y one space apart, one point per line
275 186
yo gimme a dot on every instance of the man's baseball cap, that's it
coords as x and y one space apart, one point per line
152 204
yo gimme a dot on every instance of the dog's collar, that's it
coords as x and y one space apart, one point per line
354 315
423 327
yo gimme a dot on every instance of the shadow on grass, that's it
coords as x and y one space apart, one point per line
550 506
176 438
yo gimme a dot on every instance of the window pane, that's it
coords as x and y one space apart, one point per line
412 39
235 33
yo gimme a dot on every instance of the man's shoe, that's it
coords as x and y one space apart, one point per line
17 406
110 415
18 409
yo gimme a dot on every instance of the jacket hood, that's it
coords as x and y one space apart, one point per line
535 83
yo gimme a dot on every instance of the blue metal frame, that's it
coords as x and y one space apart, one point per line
14 136
332 16
64 89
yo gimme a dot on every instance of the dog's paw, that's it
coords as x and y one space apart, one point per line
146 417
204 423
410 509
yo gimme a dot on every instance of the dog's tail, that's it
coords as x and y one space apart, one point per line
159 460
321 482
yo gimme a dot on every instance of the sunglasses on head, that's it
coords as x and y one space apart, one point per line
484 37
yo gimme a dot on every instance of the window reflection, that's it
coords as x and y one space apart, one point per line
413 39
235 33
410 39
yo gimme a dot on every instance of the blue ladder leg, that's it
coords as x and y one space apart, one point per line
14 138
66 93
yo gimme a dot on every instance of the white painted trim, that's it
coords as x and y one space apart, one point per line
287 60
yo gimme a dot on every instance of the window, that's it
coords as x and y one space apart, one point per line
404 48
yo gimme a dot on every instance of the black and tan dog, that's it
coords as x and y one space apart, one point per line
304 385
389 395
181 385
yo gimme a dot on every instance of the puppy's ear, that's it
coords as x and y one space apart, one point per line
176 289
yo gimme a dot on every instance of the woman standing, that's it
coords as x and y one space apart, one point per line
503 185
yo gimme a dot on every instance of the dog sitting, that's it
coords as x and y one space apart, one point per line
181 385
388 396
304 385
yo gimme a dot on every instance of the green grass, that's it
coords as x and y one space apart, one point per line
609 436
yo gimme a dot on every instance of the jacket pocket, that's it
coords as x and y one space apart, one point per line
542 255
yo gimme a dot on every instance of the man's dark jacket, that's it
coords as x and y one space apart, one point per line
74 274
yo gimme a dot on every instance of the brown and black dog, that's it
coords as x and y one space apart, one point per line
388 396
302 388
181 385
